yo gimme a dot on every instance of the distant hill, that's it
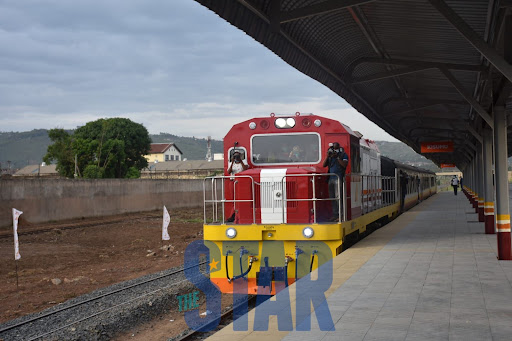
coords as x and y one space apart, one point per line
401 152
24 148
193 148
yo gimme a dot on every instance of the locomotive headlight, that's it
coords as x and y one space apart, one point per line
281 123
308 232
285 123
252 125
317 123
231 232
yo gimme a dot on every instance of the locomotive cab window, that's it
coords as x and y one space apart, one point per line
241 150
285 148
355 159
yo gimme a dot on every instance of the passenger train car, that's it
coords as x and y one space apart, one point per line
273 222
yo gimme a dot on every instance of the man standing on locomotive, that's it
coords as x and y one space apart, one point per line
337 161
235 165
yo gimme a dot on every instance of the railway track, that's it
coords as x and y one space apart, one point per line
225 319
118 306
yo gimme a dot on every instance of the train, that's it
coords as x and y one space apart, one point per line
275 222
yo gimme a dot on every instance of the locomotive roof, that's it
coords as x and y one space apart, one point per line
370 144
405 166
335 125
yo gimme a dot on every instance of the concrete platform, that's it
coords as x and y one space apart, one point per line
431 274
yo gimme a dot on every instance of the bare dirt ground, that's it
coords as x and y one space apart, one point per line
92 254
167 325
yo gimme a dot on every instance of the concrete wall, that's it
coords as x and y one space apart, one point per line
44 200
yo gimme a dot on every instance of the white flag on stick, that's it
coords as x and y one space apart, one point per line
167 220
15 216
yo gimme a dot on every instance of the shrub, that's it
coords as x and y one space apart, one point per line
93 172
132 173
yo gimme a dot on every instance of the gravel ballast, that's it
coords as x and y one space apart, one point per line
103 318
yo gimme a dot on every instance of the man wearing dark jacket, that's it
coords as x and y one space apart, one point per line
337 161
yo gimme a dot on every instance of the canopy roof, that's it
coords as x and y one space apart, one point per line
423 70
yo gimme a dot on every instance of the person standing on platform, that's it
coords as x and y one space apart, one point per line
455 184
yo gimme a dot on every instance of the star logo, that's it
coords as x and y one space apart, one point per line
213 264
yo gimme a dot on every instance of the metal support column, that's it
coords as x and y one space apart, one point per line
468 181
474 198
480 174
488 185
463 183
501 204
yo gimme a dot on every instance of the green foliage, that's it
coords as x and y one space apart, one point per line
93 172
132 173
61 152
112 146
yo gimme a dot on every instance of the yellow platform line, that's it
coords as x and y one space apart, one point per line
344 266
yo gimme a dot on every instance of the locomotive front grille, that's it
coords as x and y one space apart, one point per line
271 194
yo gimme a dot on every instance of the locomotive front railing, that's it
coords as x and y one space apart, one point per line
376 192
315 199
215 201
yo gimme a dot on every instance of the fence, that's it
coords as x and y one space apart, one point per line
44 200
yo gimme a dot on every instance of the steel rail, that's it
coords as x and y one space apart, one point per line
223 317
96 298
96 314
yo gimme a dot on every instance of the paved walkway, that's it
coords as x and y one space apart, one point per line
432 274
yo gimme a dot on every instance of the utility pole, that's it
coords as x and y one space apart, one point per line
209 149
76 167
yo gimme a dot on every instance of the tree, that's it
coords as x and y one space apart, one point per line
112 146
61 152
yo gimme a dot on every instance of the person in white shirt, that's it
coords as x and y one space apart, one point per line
455 184
235 166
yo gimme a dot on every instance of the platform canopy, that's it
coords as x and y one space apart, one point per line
423 70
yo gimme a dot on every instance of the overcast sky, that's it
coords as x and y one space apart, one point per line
172 65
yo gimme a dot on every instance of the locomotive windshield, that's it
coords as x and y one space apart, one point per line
285 148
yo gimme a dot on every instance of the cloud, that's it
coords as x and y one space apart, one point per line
173 66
